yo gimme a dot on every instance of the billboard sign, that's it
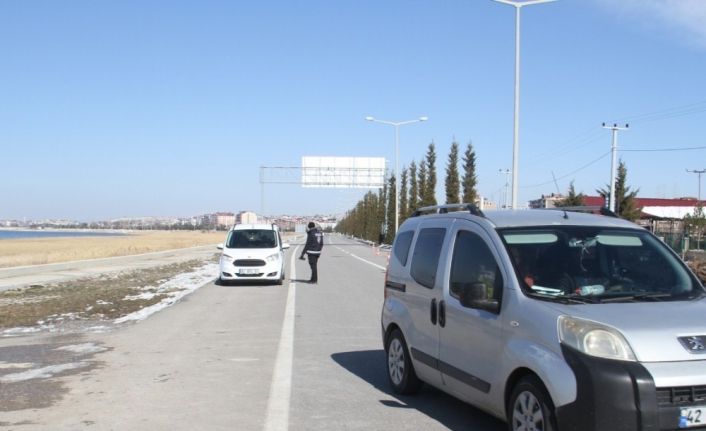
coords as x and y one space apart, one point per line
343 172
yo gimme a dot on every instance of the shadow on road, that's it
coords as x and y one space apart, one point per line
369 365
252 283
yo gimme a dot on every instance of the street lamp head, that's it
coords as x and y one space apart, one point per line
369 118
423 118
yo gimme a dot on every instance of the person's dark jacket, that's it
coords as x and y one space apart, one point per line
314 242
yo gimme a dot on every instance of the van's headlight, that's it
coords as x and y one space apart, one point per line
273 257
594 339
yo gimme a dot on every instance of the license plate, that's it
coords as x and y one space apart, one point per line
692 417
248 271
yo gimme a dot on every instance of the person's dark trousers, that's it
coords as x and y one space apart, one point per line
313 260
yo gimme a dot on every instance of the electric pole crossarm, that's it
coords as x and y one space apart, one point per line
698 172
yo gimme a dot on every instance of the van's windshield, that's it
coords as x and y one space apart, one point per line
580 264
252 238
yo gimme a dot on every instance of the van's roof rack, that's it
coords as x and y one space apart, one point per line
593 209
443 209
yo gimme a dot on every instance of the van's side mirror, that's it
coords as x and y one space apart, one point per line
475 295
220 246
285 245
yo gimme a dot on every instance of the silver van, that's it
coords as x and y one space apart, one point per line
547 319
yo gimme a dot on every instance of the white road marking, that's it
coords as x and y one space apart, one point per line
277 417
360 258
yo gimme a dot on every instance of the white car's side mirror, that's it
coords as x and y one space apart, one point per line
285 245
220 246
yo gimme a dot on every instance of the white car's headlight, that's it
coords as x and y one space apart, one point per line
273 257
594 339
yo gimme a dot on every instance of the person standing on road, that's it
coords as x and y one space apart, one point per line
312 248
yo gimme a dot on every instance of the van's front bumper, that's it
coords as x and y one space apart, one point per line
622 396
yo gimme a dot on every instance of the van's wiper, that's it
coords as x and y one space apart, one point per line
655 296
583 299
565 299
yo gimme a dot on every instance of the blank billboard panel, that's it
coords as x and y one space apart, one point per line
343 172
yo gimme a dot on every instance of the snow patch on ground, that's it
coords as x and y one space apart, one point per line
175 289
83 349
41 373
9 365
144 295
24 330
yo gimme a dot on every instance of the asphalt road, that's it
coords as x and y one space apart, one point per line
291 357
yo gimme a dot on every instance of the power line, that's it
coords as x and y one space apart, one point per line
605 154
667 149
580 140
570 173
667 113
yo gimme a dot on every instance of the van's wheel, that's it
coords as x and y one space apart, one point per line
400 372
530 407
281 279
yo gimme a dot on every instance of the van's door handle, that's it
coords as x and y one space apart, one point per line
442 313
433 311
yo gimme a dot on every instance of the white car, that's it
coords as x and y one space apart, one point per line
252 252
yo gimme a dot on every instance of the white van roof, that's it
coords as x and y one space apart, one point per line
260 226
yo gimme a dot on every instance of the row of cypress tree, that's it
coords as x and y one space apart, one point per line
373 217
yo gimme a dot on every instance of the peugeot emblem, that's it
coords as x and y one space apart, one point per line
694 344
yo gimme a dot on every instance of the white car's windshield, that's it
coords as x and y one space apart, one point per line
590 264
252 238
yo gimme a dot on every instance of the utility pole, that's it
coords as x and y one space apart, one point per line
614 154
699 174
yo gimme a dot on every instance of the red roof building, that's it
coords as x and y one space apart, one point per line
655 208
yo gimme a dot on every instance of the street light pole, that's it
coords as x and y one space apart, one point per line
516 129
396 125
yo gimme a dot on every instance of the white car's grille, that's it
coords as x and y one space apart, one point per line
249 262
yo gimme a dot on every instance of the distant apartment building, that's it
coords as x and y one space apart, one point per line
546 201
485 204
225 219
246 217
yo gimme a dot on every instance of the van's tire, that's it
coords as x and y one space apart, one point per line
281 279
400 372
530 407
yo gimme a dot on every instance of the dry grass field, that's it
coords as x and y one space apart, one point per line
88 299
36 251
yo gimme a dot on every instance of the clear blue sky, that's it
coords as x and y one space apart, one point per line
169 108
